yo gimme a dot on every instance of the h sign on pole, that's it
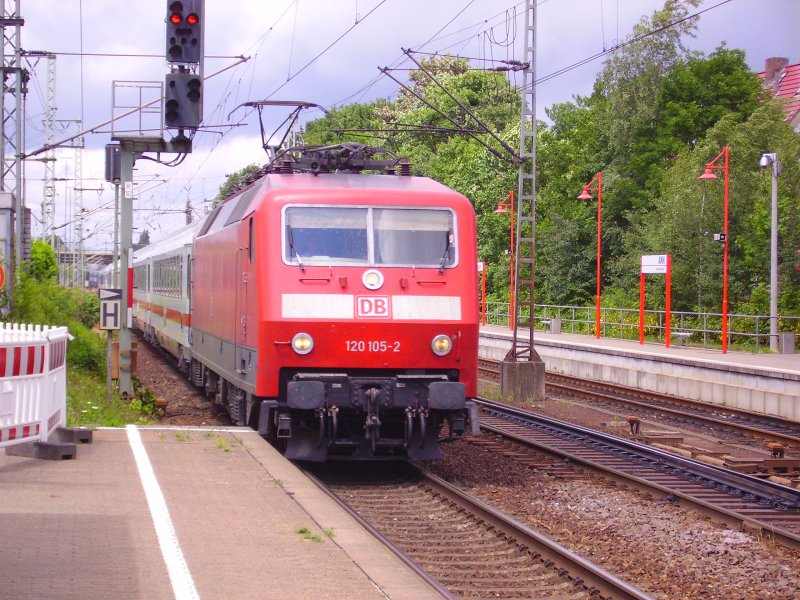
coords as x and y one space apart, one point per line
110 305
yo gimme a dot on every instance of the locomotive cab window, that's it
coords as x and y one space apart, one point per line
418 237
328 235
325 235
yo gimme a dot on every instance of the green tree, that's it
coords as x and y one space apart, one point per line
353 123
689 211
695 94
233 181
43 302
43 265
144 240
632 77
567 158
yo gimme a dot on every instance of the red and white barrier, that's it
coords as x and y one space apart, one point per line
33 382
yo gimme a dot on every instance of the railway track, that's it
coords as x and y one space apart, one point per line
740 500
464 546
741 426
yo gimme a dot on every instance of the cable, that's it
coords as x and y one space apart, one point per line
364 89
291 44
638 38
331 45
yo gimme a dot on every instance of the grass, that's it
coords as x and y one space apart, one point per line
223 444
305 532
87 405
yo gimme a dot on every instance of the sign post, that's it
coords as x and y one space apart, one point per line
110 300
658 264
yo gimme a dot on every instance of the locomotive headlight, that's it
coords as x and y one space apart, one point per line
302 343
372 279
441 345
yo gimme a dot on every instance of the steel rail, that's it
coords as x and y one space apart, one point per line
583 574
591 575
435 586
733 497
768 427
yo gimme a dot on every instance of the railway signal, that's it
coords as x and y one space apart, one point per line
183 94
184 31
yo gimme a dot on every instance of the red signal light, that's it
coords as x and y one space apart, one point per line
175 18
192 19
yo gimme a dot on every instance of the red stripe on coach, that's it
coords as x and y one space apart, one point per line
3 358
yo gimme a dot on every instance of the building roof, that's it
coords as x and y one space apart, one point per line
783 80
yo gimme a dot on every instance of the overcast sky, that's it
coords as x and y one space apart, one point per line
123 40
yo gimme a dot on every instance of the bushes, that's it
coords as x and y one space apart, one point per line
42 302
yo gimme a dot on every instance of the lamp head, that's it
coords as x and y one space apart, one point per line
585 195
766 159
500 210
708 174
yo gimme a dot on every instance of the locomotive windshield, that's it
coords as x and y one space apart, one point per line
335 235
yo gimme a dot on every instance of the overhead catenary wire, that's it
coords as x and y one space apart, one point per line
328 47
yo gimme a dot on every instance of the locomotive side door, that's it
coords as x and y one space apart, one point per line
244 267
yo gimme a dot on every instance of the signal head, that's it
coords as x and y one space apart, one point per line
184 43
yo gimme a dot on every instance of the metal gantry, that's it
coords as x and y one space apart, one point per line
522 348
49 191
80 213
11 148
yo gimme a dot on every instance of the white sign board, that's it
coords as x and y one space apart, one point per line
110 300
481 266
654 263
129 189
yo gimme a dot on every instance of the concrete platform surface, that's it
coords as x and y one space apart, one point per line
220 514
788 364
761 383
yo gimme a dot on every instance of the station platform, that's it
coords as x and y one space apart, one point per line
183 513
766 383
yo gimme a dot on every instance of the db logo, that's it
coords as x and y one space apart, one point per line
373 306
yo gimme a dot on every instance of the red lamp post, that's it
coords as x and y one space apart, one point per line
508 203
709 174
585 195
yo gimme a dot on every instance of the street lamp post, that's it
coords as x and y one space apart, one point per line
502 206
586 195
709 174
767 159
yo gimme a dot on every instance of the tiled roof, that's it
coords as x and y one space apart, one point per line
788 90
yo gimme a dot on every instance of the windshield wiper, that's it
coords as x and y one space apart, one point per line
294 251
445 256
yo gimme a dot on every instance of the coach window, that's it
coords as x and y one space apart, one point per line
325 235
419 237
167 276
140 277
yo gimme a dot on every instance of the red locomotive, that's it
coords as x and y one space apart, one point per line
334 312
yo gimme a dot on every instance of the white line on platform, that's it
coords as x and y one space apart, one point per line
179 575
